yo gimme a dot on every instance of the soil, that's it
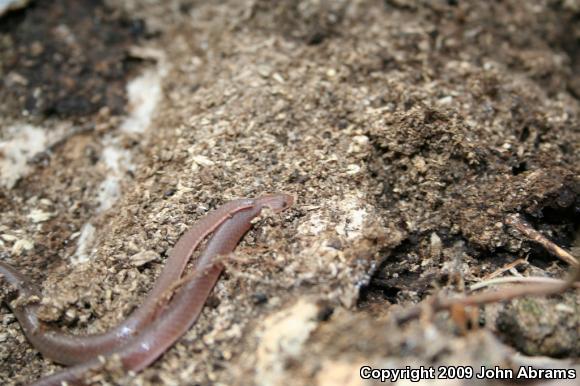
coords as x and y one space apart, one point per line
407 130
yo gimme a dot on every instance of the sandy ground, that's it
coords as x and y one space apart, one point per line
406 130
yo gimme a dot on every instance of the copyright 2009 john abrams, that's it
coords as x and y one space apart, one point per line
416 374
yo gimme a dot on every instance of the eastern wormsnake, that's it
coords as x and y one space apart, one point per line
145 335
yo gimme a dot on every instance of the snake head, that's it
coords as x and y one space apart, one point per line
277 202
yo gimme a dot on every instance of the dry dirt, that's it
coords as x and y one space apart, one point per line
407 131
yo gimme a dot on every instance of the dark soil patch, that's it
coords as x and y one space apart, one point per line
67 58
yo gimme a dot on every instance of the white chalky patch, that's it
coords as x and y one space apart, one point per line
283 336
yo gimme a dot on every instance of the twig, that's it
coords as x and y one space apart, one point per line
526 229
222 260
506 267
194 274
520 280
